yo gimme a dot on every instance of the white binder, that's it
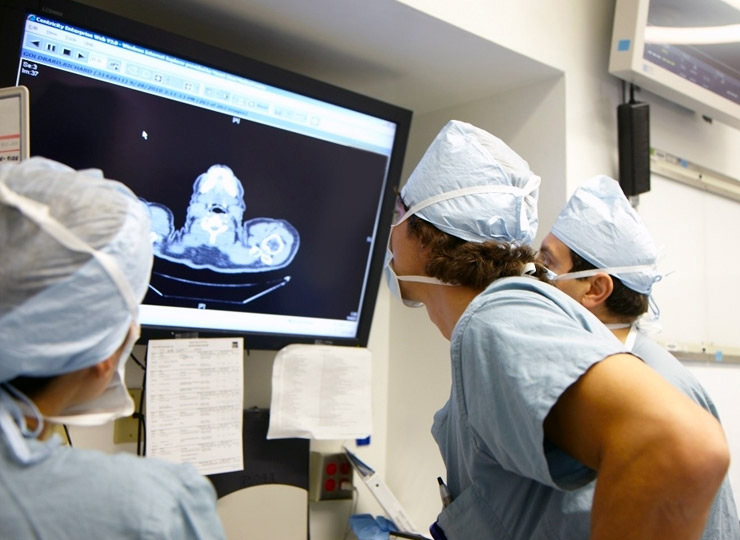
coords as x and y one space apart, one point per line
382 494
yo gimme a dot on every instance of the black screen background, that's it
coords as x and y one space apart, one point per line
330 193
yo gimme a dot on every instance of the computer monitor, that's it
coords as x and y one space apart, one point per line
270 193
686 51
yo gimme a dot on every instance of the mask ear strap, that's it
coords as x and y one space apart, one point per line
616 326
24 402
13 426
654 309
611 270
425 279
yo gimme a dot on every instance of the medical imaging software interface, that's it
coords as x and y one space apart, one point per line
254 192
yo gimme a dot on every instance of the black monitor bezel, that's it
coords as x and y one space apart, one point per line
13 14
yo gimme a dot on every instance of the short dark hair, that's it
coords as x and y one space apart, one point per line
623 301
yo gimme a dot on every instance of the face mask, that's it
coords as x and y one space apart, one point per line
115 402
392 280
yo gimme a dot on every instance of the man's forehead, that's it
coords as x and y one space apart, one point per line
555 248
553 243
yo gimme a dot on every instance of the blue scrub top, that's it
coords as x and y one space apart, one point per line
75 494
518 346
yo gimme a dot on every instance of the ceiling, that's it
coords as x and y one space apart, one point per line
381 48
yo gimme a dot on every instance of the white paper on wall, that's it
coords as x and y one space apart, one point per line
194 402
321 392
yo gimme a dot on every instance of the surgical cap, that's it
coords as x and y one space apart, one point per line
61 308
471 185
599 224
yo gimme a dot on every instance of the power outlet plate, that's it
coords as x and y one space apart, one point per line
330 477
126 430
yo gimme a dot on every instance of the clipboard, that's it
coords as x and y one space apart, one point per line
14 124
385 498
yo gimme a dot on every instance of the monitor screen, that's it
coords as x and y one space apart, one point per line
270 194
687 51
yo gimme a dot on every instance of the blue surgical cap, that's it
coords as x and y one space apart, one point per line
76 260
599 224
471 185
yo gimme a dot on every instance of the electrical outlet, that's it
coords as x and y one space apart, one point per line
126 430
330 477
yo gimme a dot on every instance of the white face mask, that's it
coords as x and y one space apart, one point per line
115 402
393 280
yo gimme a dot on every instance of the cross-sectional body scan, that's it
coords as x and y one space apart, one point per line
214 237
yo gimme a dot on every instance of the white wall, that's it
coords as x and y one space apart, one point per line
696 231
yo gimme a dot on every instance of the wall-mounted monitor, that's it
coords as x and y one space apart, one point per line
687 51
270 193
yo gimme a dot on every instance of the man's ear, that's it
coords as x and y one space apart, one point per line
600 288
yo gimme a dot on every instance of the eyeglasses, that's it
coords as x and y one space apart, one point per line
399 210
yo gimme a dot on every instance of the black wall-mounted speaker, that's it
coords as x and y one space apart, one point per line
633 130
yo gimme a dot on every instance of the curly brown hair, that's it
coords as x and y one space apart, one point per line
471 264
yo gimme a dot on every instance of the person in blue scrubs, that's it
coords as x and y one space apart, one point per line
606 260
544 398
75 264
